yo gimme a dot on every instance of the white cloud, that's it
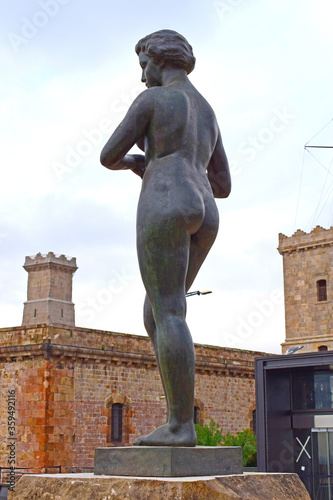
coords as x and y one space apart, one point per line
82 69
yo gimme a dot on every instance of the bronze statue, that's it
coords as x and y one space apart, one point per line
184 167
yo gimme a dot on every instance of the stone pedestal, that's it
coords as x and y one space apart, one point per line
168 461
90 487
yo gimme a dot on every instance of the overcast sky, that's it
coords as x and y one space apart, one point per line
69 73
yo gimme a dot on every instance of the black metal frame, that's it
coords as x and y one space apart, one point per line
283 366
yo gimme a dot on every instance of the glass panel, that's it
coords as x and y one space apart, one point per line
330 456
322 450
323 391
312 391
303 390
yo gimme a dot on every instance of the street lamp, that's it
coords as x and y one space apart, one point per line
204 292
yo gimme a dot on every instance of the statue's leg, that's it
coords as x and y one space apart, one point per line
150 326
163 251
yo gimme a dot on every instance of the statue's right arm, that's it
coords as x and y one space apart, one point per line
131 130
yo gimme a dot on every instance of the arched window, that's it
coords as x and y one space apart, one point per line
321 290
118 418
322 348
196 414
117 423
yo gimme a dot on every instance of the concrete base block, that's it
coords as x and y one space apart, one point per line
90 487
168 461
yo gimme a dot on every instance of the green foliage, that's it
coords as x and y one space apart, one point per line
247 440
211 435
208 435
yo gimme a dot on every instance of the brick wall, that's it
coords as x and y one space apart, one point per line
65 390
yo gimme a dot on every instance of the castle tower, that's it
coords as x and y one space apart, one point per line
49 290
308 289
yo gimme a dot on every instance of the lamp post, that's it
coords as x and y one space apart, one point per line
204 292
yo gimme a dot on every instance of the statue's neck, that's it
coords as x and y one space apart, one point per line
173 75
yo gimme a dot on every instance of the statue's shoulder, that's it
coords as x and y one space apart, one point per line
144 102
150 98
149 95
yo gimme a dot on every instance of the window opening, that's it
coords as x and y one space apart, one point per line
321 290
117 423
196 414
254 421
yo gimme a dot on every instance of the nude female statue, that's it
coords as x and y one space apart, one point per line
183 169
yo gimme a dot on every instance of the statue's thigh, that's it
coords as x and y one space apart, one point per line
163 252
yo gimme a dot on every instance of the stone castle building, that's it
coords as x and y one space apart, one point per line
49 290
308 289
76 389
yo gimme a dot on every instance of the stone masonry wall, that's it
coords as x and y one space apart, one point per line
308 258
49 294
65 390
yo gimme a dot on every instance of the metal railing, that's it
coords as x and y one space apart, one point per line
74 470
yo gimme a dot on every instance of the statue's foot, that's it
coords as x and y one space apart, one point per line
169 435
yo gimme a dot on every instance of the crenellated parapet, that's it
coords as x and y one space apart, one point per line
50 258
318 237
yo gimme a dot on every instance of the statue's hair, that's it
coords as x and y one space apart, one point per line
167 46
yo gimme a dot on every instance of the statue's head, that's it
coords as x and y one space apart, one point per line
167 46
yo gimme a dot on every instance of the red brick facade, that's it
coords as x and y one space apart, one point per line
67 379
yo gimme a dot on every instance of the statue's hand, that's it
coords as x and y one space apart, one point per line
139 167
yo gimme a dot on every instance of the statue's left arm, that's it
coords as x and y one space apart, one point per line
218 171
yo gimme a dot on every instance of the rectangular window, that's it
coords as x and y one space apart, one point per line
321 290
312 390
117 423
